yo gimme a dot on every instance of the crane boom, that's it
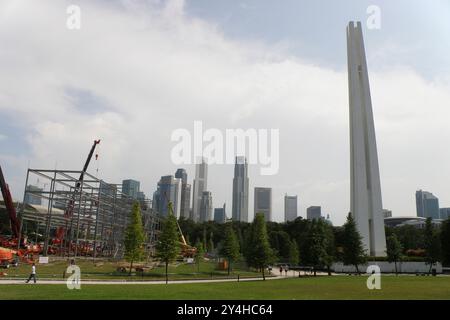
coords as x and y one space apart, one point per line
68 213
7 198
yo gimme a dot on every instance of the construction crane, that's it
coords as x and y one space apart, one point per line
10 209
187 251
23 249
60 232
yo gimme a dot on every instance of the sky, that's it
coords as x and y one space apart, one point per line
138 70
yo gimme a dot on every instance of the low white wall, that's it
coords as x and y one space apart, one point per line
387 267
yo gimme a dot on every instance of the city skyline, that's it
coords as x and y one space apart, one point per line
265 71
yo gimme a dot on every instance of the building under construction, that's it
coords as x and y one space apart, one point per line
80 217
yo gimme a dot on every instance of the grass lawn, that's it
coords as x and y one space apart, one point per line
324 287
107 270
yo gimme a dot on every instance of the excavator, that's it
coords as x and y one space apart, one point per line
61 231
187 251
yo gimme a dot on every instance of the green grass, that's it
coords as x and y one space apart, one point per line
106 270
334 287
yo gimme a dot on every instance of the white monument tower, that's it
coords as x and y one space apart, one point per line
366 205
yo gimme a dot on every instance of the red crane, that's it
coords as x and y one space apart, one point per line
68 213
10 209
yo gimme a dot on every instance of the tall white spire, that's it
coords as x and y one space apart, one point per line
366 204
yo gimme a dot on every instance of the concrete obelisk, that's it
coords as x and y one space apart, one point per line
366 205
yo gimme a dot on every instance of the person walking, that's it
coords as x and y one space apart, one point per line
32 274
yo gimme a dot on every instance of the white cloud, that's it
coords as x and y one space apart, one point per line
158 69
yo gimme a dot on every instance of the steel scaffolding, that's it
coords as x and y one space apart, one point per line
95 225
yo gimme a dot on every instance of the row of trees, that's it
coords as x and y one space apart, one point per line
312 243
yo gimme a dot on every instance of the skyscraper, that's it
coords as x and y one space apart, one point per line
220 215
31 198
185 193
314 213
290 208
206 207
240 190
444 213
365 187
200 185
169 189
427 205
263 202
130 188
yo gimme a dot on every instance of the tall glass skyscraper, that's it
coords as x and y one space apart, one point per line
206 207
240 190
200 185
263 202
130 188
290 208
169 189
427 205
185 193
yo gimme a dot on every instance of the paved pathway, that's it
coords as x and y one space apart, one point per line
22 281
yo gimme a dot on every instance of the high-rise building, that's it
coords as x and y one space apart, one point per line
290 208
220 215
387 213
185 193
31 198
169 189
200 185
263 202
444 213
107 189
314 212
206 207
130 188
240 190
427 205
365 187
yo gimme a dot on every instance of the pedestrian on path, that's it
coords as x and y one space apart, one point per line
32 274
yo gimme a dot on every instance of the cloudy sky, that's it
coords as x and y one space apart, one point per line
138 70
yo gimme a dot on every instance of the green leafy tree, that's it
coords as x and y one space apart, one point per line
258 253
294 255
230 247
354 253
168 244
316 243
445 242
134 236
199 254
330 247
432 245
394 250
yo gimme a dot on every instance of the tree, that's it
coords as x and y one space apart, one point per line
230 247
445 242
354 253
316 243
432 245
293 253
199 254
330 247
394 250
168 244
259 254
134 237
